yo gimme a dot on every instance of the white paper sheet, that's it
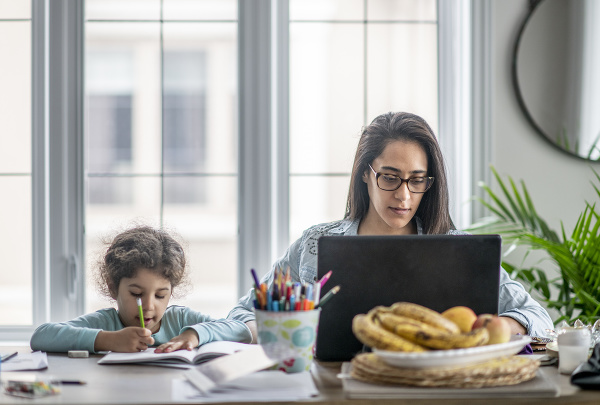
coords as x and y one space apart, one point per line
262 386
26 362
227 368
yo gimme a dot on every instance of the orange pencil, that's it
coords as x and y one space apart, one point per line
263 294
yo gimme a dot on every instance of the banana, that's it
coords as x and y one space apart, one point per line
426 315
426 335
476 337
369 332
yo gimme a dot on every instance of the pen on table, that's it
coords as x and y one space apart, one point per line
325 278
70 382
328 296
9 356
139 304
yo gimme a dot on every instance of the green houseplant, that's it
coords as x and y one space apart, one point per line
572 287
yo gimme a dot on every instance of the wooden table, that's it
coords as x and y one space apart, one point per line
134 384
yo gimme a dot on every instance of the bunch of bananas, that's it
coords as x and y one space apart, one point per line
411 327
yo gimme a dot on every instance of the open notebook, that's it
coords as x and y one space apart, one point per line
179 358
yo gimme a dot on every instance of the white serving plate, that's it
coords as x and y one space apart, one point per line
454 357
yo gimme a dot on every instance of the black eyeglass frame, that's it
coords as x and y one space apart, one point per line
378 174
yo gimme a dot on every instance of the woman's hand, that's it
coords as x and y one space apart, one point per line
127 340
186 341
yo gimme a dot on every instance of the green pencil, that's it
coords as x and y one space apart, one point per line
139 303
328 296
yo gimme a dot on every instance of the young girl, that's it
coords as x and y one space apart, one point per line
145 263
397 187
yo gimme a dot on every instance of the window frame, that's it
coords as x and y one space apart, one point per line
58 284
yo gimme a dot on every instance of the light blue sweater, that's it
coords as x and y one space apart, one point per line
80 333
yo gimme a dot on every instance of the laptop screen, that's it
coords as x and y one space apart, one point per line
437 271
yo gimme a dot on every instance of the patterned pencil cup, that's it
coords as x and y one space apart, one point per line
288 337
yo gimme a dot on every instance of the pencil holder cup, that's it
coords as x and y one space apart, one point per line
288 337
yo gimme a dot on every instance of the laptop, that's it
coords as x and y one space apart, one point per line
437 271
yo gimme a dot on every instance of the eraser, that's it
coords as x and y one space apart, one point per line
79 353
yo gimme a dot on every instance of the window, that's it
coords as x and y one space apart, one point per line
15 164
161 99
175 113
349 62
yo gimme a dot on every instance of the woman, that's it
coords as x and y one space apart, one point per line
398 187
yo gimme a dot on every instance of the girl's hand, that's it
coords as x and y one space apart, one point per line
127 340
186 341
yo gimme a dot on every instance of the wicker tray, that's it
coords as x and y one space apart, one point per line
508 370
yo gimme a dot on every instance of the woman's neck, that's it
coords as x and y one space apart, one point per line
366 227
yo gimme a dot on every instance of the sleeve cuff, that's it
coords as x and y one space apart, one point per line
92 334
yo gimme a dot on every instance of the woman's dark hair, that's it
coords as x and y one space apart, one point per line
141 247
386 128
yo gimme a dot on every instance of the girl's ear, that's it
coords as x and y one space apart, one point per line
365 177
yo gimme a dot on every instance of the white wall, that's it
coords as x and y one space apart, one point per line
558 183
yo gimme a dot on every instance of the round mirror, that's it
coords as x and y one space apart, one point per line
556 73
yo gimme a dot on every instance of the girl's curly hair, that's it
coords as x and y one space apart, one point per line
142 247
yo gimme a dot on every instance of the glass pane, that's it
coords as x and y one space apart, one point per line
326 95
15 274
15 99
115 204
402 70
327 10
200 10
200 97
122 10
123 98
209 227
120 199
15 9
401 10
307 210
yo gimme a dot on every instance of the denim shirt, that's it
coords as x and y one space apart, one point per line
301 258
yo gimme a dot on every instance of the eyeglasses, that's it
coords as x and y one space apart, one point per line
391 182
